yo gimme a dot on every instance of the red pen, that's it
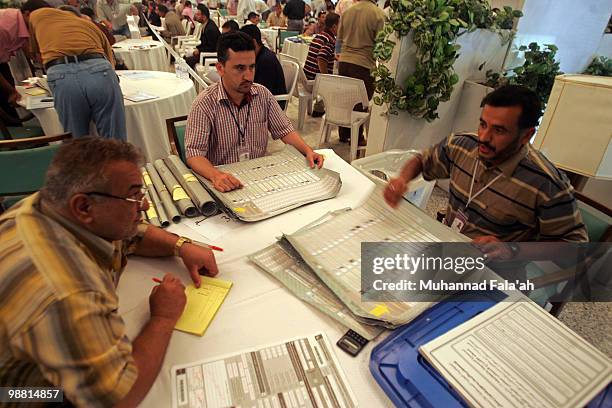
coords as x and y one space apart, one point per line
157 280
204 244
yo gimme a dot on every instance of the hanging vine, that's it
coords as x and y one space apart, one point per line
435 26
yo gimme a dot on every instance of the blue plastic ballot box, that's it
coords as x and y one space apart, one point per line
407 377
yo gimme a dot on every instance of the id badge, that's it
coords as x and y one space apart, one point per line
244 154
459 221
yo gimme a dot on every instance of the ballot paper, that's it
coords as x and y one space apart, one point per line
300 372
515 354
202 305
140 96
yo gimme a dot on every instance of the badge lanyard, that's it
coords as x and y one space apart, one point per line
243 151
472 197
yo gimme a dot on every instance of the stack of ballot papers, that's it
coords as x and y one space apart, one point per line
202 305
515 354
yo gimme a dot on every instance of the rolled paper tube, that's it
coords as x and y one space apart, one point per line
180 198
154 199
164 194
151 213
192 186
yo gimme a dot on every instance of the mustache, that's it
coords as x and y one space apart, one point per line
488 146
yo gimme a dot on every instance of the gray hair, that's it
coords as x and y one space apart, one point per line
80 166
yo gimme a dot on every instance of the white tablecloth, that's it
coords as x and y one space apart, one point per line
146 121
151 59
297 50
258 310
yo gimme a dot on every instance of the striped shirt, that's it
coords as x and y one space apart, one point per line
59 324
212 125
532 200
322 46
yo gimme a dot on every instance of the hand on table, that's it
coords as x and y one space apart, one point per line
198 260
225 182
395 190
167 300
493 248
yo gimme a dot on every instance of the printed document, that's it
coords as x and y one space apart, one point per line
301 372
515 354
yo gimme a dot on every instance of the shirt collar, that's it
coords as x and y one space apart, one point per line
101 249
510 164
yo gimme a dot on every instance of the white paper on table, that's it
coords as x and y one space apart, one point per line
140 96
39 102
136 75
515 354
212 228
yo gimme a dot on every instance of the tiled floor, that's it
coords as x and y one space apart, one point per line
592 321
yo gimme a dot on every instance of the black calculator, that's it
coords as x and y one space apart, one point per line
352 342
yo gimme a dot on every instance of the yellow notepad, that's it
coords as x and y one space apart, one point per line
202 305
36 91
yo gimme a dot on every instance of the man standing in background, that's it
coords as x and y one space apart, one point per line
295 10
357 33
79 63
115 15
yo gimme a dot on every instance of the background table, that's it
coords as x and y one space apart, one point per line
297 50
151 59
146 121
258 310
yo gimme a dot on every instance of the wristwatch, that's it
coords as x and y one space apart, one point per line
179 243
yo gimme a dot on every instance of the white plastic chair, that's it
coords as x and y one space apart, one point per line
303 90
207 70
291 70
340 95
192 40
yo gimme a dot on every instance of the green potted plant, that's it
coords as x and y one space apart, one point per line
538 72
435 26
599 66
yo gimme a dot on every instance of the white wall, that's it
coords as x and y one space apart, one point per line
605 46
575 26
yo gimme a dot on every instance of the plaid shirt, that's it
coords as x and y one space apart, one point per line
212 131
531 200
59 324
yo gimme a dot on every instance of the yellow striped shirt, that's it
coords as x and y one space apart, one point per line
58 307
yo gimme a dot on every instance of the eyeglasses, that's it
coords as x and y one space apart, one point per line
131 199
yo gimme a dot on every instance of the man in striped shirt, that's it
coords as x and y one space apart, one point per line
230 121
62 252
500 188
321 55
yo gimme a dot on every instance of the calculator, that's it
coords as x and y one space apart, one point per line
352 342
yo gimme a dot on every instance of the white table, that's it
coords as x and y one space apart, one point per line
153 58
297 50
146 121
258 310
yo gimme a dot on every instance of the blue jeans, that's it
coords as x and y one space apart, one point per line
86 91
122 30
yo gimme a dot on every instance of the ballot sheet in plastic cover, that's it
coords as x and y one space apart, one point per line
301 372
332 248
275 184
518 355
280 261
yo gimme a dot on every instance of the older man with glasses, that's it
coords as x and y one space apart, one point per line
62 252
